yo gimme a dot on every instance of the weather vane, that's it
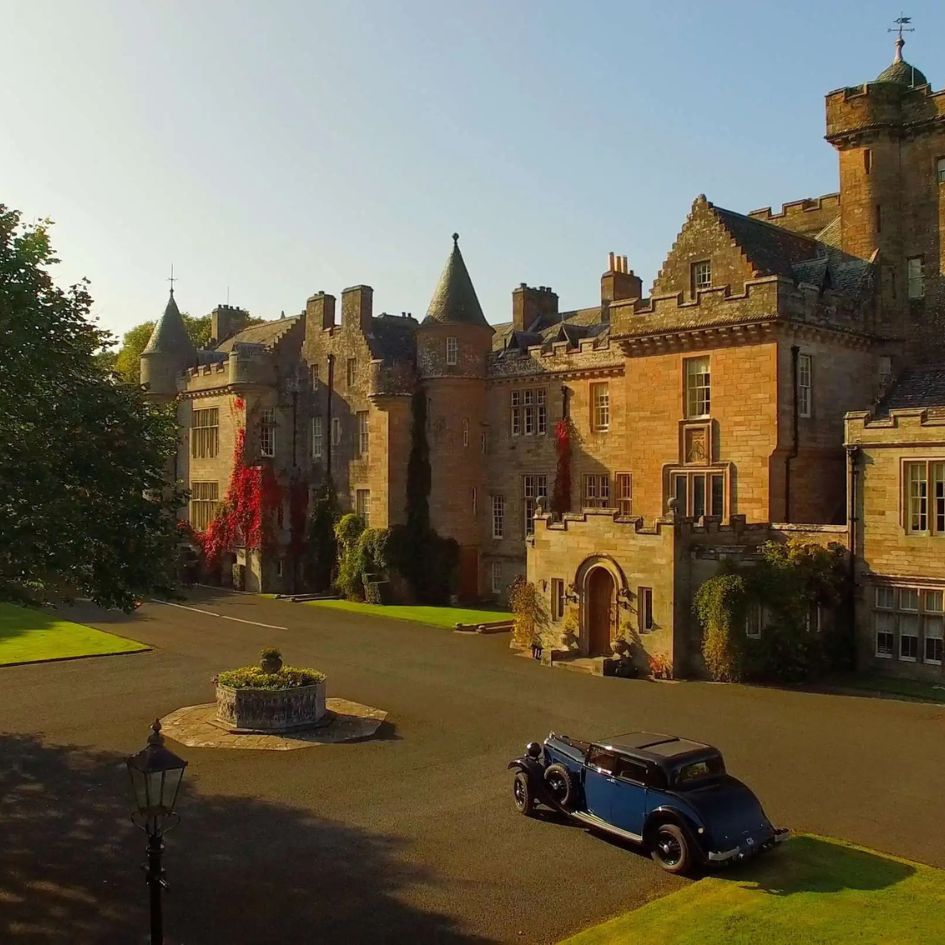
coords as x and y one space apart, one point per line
172 280
901 26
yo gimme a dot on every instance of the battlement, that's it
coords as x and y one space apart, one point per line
807 216
876 106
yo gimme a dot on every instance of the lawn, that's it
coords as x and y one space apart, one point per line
27 636
435 616
892 685
811 891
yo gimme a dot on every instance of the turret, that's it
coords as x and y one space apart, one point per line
168 352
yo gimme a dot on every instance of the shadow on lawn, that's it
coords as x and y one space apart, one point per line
239 869
810 864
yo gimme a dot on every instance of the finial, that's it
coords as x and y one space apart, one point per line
172 280
901 28
456 239
156 738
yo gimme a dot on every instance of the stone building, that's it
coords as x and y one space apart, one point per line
699 419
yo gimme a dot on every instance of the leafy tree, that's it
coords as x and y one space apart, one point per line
84 506
127 359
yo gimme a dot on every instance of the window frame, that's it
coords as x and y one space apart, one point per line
336 431
534 485
528 411
498 516
700 276
205 436
207 504
707 475
940 170
697 395
600 406
904 612
362 505
805 385
452 349
915 278
495 577
351 372
645 620
922 512
558 599
623 493
364 433
267 432
601 497
318 437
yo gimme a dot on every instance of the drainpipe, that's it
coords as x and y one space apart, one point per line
792 455
328 430
853 455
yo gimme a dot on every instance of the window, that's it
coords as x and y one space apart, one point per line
596 491
465 431
280 567
879 219
204 498
645 607
496 576
701 275
534 486
363 441
603 759
916 616
623 485
631 770
452 350
318 437
483 442
351 371
754 620
698 493
867 160
474 501
557 598
205 433
336 431
600 407
924 497
529 412
362 506
498 516
313 374
805 384
914 278
885 635
698 399
267 432
941 170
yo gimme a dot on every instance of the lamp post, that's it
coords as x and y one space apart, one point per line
156 774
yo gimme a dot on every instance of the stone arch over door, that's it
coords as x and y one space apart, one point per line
600 581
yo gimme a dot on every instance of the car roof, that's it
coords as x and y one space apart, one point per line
654 746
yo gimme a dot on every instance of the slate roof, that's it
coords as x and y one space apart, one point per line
392 337
454 300
916 387
902 73
266 334
169 335
772 249
587 321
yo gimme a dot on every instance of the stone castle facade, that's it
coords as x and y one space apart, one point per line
783 376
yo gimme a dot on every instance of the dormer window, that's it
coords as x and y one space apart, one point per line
452 350
701 275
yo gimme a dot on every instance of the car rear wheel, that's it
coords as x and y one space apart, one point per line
560 784
671 848
522 794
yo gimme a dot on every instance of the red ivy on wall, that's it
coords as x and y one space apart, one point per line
561 497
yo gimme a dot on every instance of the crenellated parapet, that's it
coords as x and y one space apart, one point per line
808 216
881 106
589 354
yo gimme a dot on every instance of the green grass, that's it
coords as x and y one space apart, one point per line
27 636
911 688
810 891
435 616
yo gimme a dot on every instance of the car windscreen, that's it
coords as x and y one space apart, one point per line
694 773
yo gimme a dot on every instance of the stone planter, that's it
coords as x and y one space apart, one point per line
271 710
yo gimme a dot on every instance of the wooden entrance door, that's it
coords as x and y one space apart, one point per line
600 610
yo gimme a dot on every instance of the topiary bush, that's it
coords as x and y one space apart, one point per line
720 605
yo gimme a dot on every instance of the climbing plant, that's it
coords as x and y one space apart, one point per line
321 547
561 495
531 614
349 580
720 606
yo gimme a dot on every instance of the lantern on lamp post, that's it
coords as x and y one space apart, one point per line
156 774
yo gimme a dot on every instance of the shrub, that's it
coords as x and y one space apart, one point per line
322 548
347 534
531 617
252 677
271 653
720 606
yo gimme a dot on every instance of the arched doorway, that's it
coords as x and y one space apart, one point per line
601 608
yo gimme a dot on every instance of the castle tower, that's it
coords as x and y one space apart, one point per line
890 138
453 342
168 352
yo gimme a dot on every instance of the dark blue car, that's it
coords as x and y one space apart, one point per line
670 795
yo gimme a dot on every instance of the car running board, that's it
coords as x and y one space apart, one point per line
592 821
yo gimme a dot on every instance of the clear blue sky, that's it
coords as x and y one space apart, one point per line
282 147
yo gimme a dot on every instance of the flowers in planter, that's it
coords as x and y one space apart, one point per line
661 666
253 677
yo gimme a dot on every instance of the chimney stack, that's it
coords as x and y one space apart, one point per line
530 303
357 305
320 312
619 282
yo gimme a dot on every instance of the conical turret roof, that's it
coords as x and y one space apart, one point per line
169 335
902 72
454 301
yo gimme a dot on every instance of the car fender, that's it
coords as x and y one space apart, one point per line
666 812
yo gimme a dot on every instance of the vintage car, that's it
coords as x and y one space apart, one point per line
670 795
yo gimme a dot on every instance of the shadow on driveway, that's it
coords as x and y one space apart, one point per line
239 869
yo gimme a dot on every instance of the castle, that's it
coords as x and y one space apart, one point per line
783 377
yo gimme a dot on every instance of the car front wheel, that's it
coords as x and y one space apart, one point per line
671 848
522 794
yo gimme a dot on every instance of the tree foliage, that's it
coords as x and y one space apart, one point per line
321 545
84 506
531 614
349 580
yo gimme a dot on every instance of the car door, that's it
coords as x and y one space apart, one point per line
599 781
629 795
